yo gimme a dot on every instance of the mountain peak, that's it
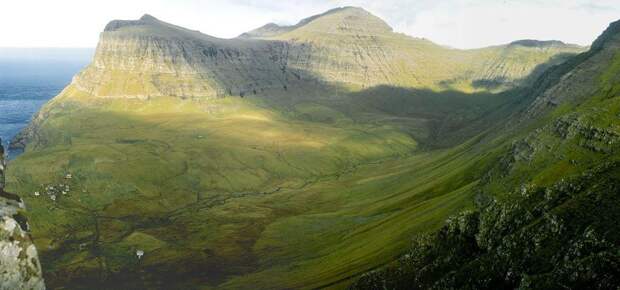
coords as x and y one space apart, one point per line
347 18
339 20
267 30
116 25
609 36
148 25
336 11
148 17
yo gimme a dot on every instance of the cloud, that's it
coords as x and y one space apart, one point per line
596 7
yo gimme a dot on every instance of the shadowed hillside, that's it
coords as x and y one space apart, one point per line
546 215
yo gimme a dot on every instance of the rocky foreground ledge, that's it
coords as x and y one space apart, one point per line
19 262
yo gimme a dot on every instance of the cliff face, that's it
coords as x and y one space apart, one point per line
148 57
19 262
346 46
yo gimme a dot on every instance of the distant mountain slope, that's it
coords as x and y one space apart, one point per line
373 54
345 46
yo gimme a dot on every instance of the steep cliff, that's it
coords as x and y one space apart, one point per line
148 57
19 263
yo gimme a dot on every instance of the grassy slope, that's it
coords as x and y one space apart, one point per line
550 216
231 187
569 168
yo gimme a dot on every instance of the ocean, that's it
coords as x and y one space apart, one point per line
28 79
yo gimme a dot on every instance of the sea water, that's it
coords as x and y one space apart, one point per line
29 80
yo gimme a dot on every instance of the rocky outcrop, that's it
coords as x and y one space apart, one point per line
19 262
588 135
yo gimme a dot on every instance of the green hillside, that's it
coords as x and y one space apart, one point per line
303 156
225 185
547 212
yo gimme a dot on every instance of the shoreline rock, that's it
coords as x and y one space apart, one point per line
19 262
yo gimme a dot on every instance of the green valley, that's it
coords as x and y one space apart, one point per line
309 156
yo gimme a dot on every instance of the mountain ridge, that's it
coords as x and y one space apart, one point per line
136 58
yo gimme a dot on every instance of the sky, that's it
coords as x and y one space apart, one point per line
455 23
